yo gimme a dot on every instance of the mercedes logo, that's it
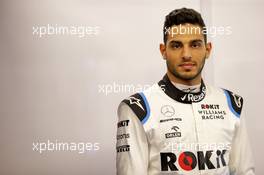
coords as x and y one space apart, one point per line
167 110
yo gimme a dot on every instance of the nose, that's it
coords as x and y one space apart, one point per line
186 53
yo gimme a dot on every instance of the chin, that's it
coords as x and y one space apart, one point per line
188 76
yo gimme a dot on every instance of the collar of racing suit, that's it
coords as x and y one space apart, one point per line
186 88
180 96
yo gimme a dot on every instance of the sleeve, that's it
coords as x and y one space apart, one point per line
241 158
131 144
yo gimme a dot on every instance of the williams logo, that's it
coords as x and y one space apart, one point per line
211 111
173 134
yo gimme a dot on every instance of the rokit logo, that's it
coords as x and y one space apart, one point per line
122 123
211 111
173 134
188 160
211 106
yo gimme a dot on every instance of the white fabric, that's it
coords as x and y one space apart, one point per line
186 88
201 132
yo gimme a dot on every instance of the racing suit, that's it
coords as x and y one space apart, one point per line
164 130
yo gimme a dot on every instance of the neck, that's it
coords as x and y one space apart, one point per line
197 80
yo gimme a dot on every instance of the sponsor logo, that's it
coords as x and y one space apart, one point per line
136 101
173 134
212 117
237 100
188 90
193 97
122 123
188 160
209 106
211 111
123 148
184 97
170 119
122 136
183 146
167 111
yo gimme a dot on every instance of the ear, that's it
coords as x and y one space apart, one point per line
163 51
208 47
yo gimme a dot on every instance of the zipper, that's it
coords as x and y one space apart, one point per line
196 134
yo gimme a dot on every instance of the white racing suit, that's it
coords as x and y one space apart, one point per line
166 131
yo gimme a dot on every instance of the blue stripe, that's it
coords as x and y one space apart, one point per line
230 104
147 106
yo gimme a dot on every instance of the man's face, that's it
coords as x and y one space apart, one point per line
185 51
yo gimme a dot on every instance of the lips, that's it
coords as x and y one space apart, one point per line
188 65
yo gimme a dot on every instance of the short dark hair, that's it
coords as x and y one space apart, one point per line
183 16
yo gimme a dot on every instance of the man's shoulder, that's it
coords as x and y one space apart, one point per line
138 104
223 90
234 101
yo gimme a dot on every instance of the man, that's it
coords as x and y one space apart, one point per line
180 125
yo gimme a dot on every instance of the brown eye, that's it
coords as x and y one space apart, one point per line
176 45
196 44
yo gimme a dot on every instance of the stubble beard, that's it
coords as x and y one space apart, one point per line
178 75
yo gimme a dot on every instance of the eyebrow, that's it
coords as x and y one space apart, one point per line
191 41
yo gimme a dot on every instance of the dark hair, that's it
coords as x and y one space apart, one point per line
183 16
